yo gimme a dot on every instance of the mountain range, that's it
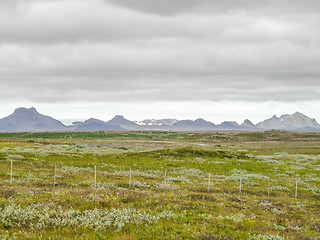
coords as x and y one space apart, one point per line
30 120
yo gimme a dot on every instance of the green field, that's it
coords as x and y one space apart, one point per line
53 193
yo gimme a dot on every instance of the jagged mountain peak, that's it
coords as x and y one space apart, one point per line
29 119
198 124
295 121
247 123
118 117
119 120
200 120
298 113
93 120
23 109
234 123
229 125
94 124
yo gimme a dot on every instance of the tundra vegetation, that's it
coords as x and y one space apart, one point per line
155 185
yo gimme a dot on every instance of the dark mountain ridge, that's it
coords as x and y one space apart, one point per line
93 124
119 120
24 119
30 120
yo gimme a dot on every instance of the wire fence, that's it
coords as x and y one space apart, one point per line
55 175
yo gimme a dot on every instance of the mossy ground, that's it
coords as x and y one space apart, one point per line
268 164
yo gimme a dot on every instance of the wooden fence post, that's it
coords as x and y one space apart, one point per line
95 176
54 175
130 183
11 172
296 192
165 177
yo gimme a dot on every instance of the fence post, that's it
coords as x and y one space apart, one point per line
165 177
130 178
268 187
240 185
11 172
209 182
95 176
296 192
54 175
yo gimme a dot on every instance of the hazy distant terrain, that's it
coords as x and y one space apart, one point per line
24 120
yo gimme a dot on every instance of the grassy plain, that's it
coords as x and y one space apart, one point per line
169 196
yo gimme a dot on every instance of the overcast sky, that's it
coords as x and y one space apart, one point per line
219 60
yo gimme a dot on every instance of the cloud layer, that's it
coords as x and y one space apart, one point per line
169 50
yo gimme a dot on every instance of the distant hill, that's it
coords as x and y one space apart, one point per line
296 121
197 125
229 125
93 124
29 120
119 120
247 124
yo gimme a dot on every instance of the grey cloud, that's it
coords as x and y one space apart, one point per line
92 21
145 90
176 7
57 51
130 74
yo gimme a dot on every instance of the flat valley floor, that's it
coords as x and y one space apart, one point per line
160 185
